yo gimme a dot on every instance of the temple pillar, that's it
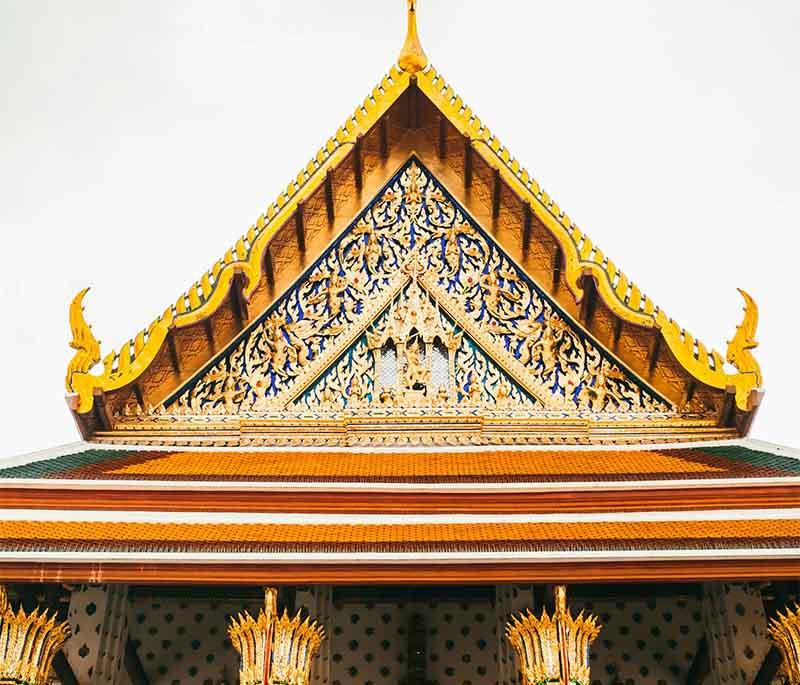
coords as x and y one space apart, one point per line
98 616
736 630
509 599
318 602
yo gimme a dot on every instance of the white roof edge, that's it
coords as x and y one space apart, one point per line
406 558
364 520
45 454
772 447
387 487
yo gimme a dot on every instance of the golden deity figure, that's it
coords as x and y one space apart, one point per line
417 374
274 650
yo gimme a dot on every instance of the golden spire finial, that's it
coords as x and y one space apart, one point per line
412 57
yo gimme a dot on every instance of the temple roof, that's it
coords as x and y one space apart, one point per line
489 535
708 475
412 111
139 547
193 515
743 459
414 366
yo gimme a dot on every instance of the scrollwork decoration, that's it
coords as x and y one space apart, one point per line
409 257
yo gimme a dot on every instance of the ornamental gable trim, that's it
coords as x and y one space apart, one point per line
414 307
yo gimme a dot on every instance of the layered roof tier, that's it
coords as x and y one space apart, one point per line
480 515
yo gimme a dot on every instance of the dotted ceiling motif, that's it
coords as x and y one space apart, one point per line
651 642
183 641
370 642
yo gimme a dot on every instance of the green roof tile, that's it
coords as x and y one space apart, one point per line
51 468
755 457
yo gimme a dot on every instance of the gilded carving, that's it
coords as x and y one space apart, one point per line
508 308
553 649
274 650
412 57
581 257
86 346
28 643
739 348
784 629
87 352
384 284
414 357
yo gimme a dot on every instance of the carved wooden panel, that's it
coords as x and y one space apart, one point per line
413 252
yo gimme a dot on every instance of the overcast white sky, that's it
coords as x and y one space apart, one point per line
138 140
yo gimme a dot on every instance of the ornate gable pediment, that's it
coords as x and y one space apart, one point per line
417 110
414 308
414 356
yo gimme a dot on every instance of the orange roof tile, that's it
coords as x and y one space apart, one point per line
311 537
467 466
358 465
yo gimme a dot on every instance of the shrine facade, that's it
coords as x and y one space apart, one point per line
414 426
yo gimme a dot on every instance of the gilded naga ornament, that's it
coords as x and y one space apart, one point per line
86 346
739 348
553 649
28 643
274 650
785 632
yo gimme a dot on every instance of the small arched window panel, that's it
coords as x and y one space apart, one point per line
440 366
388 366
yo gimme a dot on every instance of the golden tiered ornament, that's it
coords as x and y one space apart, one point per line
785 632
274 650
28 643
553 649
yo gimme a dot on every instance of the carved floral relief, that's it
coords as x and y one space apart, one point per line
414 306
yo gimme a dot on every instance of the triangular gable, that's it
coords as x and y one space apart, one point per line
414 255
414 356
153 363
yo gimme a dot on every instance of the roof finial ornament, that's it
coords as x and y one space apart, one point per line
412 57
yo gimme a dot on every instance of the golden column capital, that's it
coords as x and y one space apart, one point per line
28 643
273 649
553 649
784 630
